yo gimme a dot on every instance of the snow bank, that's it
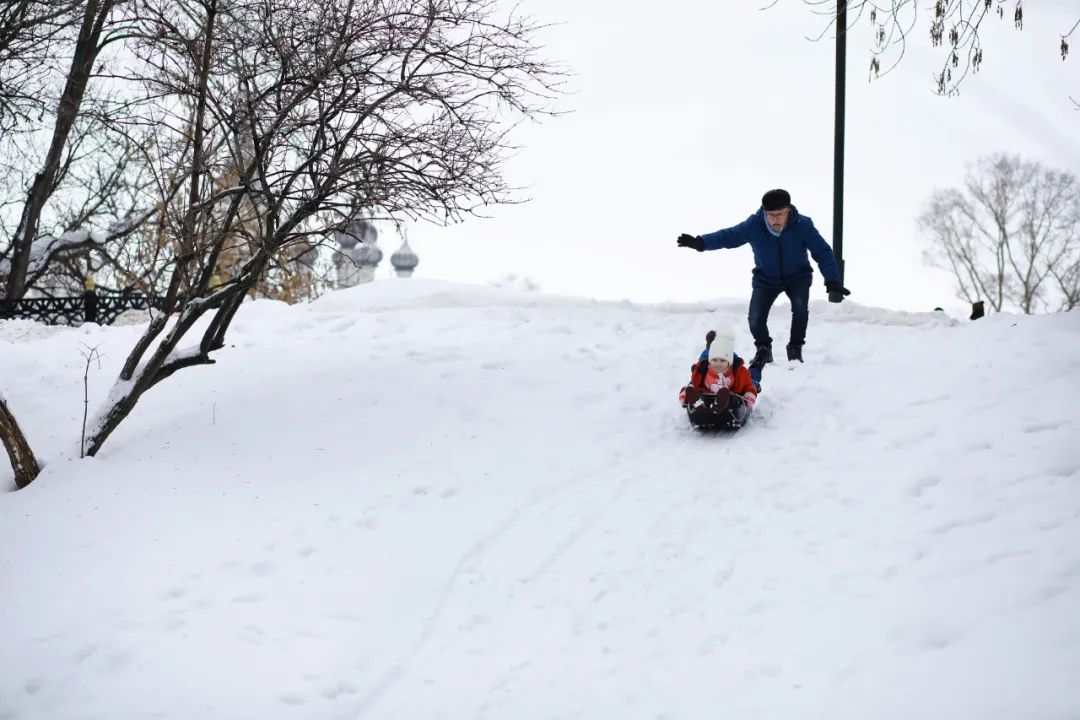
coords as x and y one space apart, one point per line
418 499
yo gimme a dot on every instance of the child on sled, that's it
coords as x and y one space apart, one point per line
722 391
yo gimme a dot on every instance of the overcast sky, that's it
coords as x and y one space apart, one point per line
683 116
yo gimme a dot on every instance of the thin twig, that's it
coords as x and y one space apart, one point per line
91 355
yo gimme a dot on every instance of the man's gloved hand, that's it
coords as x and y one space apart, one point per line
837 292
709 337
691 241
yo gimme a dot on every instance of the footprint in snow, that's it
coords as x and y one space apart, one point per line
342 326
251 634
261 569
923 484
176 593
589 398
912 439
1052 591
292 698
711 644
173 623
118 661
85 653
1042 427
331 692
965 522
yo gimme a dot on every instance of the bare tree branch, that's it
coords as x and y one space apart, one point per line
30 30
953 25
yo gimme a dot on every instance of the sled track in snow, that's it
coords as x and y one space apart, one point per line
507 568
532 539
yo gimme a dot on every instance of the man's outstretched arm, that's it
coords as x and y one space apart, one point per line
731 237
823 255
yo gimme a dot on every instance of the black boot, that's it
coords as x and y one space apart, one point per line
763 355
691 394
794 352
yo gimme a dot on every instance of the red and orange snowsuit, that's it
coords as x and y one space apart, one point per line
736 379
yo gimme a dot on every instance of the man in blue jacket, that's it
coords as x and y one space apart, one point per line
780 238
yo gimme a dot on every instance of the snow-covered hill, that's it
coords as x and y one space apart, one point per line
421 500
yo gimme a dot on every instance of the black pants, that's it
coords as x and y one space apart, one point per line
761 302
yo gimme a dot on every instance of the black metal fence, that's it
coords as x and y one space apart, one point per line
101 306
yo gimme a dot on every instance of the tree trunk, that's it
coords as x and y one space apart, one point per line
114 415
158 367
22 458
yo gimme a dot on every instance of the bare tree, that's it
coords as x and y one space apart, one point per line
1010 235
26 249
316 108
82 171
953 25
1067 278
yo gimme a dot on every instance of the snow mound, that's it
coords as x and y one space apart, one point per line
425 500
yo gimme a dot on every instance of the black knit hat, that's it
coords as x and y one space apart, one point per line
775 200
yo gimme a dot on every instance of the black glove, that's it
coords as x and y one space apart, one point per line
691 241
837 292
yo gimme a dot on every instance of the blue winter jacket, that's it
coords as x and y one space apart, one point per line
779 262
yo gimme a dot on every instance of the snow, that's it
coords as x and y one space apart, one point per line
48 244
423 500
45 245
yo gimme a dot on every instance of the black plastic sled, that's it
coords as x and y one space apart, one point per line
720 412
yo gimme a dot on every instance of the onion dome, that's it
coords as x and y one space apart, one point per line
404 260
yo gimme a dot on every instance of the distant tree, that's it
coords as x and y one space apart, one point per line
953 25
1010 235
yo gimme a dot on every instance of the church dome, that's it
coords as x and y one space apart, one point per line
404 259
370 254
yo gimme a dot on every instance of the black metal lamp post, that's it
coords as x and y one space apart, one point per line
838 144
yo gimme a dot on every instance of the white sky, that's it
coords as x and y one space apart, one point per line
683 117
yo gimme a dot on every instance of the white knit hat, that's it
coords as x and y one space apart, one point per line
723 346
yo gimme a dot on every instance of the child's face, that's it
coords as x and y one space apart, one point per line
719 365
